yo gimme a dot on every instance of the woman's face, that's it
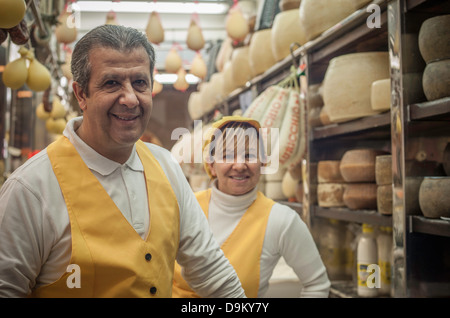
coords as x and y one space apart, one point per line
237 167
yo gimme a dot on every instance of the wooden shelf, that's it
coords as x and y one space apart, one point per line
421 224
358 216
355 126
434 110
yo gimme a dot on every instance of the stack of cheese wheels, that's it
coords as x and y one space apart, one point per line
434 45
240 66
260 57
286 29
383 178
357 168
347 84
330 190
273 185
380 95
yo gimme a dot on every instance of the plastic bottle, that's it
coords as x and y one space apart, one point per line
366 255
384 246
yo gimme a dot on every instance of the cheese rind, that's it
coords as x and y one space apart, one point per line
359 196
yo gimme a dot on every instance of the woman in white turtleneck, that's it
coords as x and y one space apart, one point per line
252 230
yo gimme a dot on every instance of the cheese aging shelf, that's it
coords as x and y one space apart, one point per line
414 132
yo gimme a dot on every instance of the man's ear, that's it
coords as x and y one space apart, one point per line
80 95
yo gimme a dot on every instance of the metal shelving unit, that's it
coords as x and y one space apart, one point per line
413 131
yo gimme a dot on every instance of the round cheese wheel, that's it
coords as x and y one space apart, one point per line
383 170
286 29
384 199
360 196
434 38
328 171
260 57
347 84
380 95
330 194
434 197
240 66
358 165
436 79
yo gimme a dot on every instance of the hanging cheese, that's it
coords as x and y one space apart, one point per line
347 84
330 194
236 25
380 95
39 78
286 29
328 171
181 84
195 40
154 29
358 165
15 73
157 88
384 199
65 68
260 57
240 66
198 66
207 100
275 110
111 18
258 105
66 31
58 110
383 170
216 87
41 113
13 11
360 196
173 61
55 125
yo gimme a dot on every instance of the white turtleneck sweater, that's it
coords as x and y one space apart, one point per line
286 236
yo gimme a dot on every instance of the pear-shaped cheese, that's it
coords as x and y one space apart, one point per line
195 40
11 13
154 30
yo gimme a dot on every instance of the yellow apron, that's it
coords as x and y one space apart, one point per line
242 248
113 260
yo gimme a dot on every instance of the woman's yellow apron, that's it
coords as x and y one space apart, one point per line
242 248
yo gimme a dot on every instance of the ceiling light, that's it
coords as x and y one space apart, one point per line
141 6
165 78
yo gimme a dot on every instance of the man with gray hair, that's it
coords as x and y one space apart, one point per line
100 213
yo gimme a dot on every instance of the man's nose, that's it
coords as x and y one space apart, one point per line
128 97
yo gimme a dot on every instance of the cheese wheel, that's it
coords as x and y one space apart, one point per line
434 197
380 95
240 66
436 79
359 196
383 170
330 194
273 190
286 29
288 185
328 171
358 165
384 199
434 38
347 84
260 57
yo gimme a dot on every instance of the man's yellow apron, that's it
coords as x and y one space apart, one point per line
242 248
112 259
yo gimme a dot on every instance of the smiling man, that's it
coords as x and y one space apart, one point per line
100 213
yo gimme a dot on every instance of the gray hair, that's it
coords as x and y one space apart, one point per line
117 37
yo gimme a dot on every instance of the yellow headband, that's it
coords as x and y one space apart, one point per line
219 124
